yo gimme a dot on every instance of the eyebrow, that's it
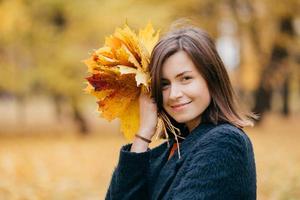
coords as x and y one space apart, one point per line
178 75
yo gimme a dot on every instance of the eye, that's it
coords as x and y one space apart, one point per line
164 84
186 78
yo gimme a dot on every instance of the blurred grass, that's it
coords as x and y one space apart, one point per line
74 167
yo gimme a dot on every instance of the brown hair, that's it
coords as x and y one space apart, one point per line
202 51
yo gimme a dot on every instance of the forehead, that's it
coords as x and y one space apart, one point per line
176 64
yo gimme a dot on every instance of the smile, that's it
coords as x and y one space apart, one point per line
178 107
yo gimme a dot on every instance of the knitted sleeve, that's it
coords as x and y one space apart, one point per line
129 178
220 167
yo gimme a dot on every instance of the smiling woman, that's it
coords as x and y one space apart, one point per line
185 93
191 86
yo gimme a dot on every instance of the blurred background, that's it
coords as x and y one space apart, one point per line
53 145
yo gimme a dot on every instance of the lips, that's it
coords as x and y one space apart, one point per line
179 106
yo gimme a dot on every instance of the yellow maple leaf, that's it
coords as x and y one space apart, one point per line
147 40
121 91
130 39
99 94
119 71
130 119
148 37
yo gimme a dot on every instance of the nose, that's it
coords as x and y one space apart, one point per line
175 92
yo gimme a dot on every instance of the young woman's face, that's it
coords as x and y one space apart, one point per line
185 92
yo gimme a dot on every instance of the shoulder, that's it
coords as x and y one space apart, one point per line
222 148
226 132
223 138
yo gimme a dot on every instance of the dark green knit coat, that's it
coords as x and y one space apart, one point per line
217 162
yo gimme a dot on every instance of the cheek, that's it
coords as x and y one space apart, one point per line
199 91
206 93
206 98
165 97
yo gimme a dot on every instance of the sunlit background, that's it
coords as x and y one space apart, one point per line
53 145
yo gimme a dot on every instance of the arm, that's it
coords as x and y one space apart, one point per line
222 167
130 176
129 180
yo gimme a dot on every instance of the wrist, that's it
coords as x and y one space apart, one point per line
146 132
143 138
139 145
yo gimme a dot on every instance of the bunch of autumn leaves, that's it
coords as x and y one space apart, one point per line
119 71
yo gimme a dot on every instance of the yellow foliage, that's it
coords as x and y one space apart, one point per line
130 119
119 70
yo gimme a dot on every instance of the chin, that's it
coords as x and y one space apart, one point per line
182 119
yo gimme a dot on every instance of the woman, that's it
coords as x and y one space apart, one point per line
189 84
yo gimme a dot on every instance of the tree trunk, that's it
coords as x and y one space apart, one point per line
285 95
78 117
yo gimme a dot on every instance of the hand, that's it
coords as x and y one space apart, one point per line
148 116
148 121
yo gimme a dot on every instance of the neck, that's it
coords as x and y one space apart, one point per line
193 123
